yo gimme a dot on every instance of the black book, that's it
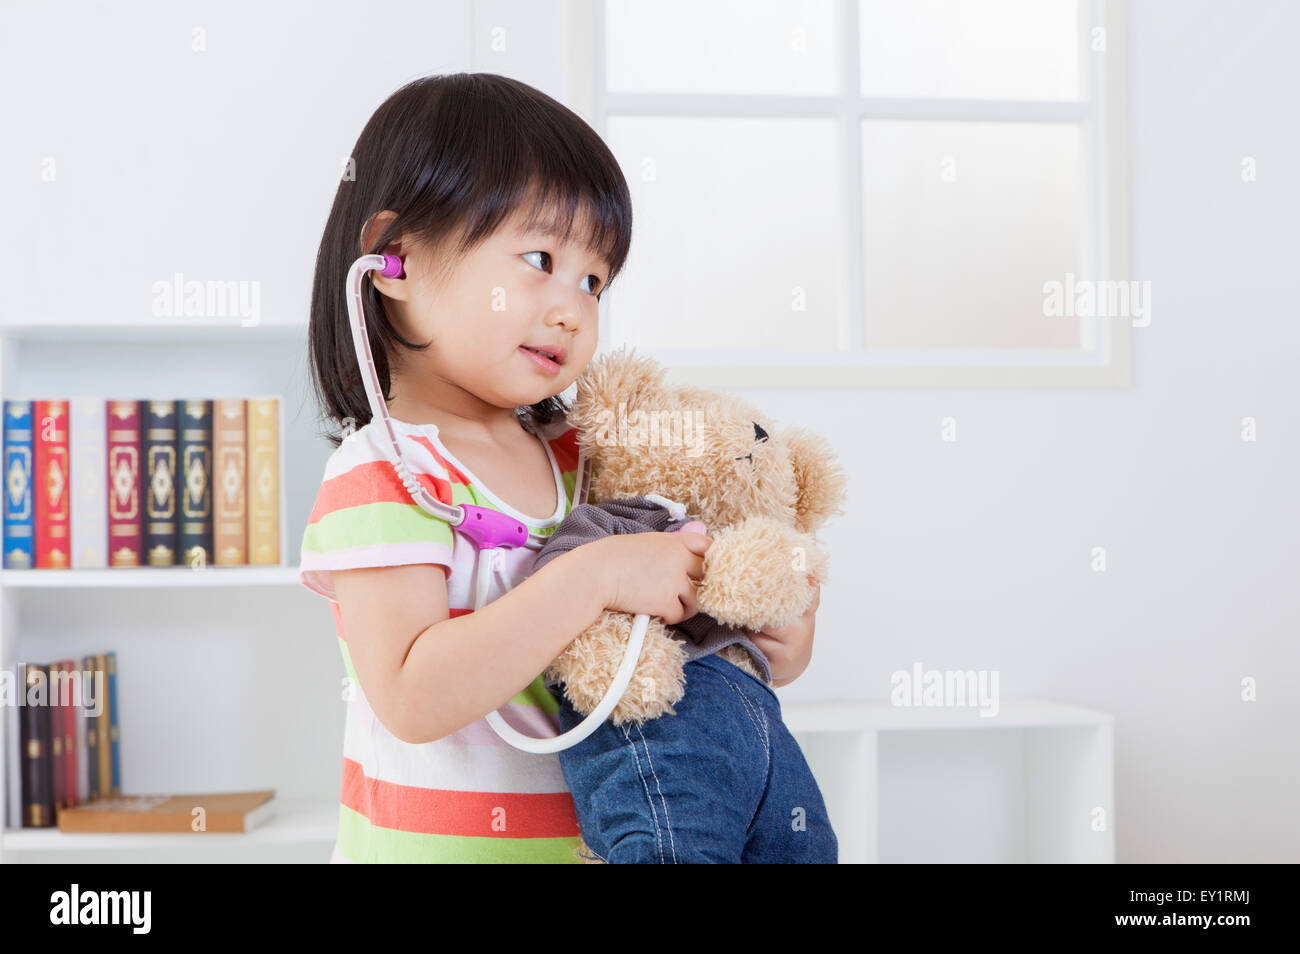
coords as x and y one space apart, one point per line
38 780
158 476
195 477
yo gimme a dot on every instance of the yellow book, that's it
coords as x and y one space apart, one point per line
264 481
105 746
230 482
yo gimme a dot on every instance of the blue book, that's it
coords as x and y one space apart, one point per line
114 755
20 518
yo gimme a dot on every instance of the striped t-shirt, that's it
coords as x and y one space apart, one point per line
468 797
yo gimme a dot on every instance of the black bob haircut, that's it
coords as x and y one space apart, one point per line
450 155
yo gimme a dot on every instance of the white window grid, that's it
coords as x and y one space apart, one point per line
1103 356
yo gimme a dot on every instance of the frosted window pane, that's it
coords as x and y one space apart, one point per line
735 232
722 46
963 224
970 49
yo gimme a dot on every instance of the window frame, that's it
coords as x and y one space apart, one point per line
1101 113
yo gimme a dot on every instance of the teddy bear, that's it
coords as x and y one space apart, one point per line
672 457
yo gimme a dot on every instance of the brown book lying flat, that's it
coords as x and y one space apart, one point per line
228 812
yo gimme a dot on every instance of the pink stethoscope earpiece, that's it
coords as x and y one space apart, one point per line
392 267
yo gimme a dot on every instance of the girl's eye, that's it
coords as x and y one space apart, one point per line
545 265
546 257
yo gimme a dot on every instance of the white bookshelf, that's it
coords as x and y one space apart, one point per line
302 830
198 651
126 578
158 331
1033 783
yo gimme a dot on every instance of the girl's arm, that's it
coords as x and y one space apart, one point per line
789 648
427 680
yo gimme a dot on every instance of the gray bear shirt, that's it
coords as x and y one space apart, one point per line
701 635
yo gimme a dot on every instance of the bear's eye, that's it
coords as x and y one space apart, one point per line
759 433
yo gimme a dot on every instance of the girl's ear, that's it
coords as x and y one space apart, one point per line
374 227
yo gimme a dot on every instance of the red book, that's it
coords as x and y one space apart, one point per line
50 484
125 521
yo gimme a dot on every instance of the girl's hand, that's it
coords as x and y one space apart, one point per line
651 572
789 648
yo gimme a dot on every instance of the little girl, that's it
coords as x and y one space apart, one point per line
511 217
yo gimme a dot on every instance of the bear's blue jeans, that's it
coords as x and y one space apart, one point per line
722 780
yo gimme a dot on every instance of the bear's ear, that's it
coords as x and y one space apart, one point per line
817 475
619 377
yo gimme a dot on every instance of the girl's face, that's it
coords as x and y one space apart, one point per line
515 292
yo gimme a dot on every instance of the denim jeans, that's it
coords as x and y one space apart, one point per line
722 780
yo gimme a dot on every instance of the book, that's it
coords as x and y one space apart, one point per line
50 484
87 450
229 812
263 481
91 722
125 487
71 704
79 728
38 791
114 753
194 474
58 763
158 481
20 517
13 748
229 482
105 748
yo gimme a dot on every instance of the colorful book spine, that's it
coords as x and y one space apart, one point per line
125 495
50 486
158 478
20 517
105 753
92 729
38 793
230 480
114 753
88 452
194 452
263 481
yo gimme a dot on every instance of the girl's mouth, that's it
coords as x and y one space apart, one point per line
540 360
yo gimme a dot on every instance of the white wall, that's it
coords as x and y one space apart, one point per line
976 554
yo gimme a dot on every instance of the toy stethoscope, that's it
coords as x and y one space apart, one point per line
489 529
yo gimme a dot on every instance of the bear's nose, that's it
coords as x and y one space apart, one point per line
759 433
